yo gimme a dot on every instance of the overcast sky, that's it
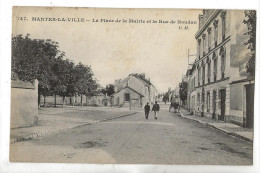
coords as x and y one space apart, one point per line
115 50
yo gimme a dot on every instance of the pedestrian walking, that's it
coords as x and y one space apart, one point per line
156 109
146 110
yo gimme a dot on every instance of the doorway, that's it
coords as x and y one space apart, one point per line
250 106
203 102
214 105
222 93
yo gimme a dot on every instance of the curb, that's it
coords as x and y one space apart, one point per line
36 135
219 129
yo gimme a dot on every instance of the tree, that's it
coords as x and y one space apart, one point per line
166 97
40 59
33 59
183 91
109 90
83 81
25 58
63 70
250 21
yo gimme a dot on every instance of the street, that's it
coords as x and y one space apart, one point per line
134 140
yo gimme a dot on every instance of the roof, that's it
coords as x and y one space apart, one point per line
122 84
22 84
142 78
130 89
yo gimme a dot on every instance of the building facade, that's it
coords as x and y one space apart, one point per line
218 85
134 91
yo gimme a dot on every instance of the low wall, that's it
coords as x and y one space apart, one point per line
236 117
24 104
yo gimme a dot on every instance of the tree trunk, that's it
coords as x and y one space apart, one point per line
81 100
39 101
44 101
63 101
55 101
74 98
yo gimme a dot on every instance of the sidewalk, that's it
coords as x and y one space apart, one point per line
55 120
228 128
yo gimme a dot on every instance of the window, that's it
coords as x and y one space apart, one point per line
198 48
198 76
209 38
208 101
204 44
223 61
127 96
194 83
223 18
203 75
215 66
198 101
209 70
215 32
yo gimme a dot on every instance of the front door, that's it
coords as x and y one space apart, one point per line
222 104
250 106
202 106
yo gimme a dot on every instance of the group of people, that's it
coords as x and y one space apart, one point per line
155 109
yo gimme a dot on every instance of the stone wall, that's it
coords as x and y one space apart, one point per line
24 104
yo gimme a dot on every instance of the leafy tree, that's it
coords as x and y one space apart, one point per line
250 22
166 97
183 91
63 70
109 90
25 58
40 59
84 83
33 59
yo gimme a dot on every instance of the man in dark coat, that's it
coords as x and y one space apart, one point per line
146 110
156 109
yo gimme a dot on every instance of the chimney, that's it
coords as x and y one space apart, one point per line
205 15
201 20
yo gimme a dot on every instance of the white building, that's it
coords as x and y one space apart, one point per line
218 85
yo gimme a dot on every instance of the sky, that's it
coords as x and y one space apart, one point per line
116 49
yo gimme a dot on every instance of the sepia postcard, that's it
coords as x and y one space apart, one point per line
132 86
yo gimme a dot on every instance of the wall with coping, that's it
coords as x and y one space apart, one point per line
24 104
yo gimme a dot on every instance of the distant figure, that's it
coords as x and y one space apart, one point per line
146 110
176 107
171 106
156 109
